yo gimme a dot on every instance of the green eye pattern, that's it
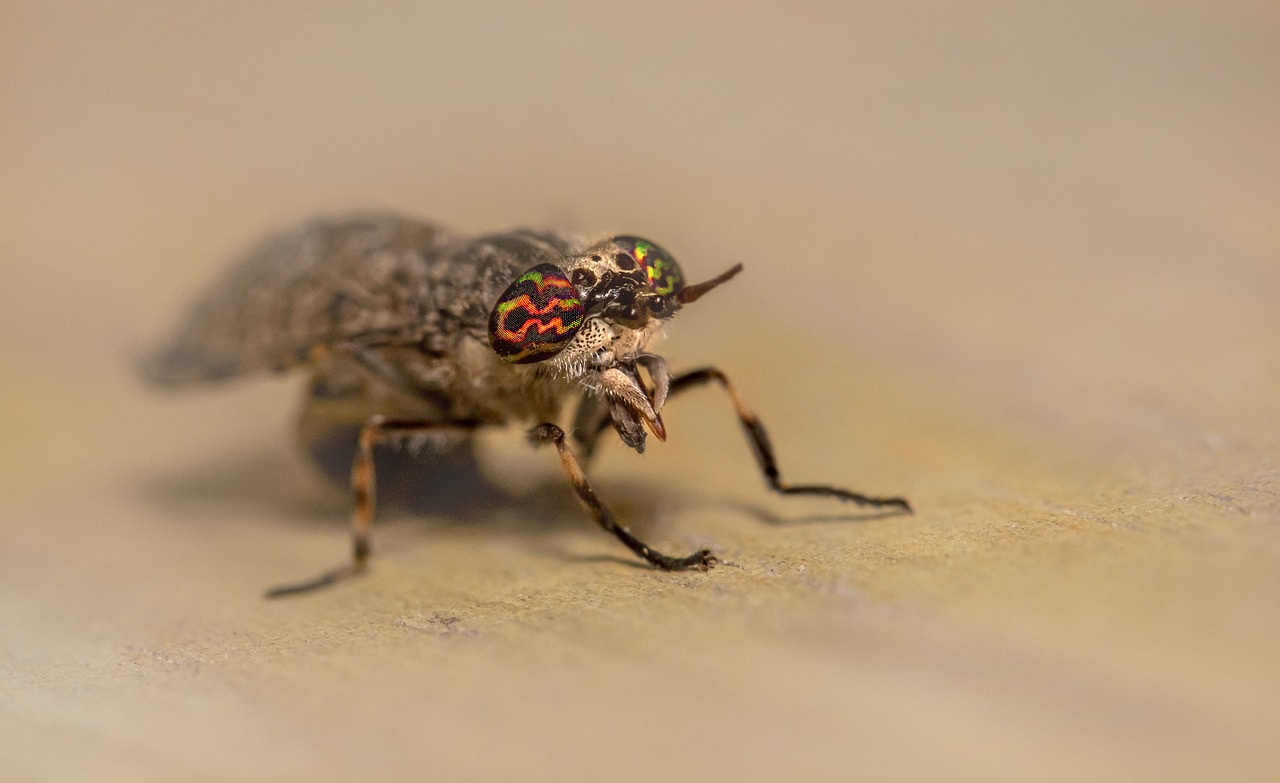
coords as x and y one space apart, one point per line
536 317
659 267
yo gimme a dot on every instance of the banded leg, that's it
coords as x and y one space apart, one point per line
763 449
376 430
550 433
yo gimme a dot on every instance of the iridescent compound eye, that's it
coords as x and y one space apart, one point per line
536 317
659 267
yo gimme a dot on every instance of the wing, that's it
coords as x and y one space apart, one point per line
364 281
324 282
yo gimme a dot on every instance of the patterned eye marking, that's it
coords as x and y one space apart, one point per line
659 267
536 316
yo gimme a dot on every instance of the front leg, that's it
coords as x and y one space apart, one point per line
376 430
763 449
550 433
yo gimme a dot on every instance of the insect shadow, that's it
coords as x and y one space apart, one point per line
776 520
442 491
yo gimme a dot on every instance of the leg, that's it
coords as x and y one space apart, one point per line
550 433
760 444
376 430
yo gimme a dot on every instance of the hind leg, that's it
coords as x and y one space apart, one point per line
377 430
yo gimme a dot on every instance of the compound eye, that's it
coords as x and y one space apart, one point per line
536 317
660 269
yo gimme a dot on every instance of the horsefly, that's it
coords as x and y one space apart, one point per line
424 336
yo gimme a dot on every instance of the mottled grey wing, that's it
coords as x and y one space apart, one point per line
364 279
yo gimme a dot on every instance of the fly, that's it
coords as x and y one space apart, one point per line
418 337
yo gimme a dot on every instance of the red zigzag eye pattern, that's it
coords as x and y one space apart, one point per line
536 316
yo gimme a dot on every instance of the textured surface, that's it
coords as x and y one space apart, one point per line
1015 261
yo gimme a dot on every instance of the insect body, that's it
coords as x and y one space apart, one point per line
420 336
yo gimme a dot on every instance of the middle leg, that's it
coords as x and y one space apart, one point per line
376 430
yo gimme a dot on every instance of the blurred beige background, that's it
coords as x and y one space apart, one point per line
1017 261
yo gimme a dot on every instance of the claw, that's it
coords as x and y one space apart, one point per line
658 429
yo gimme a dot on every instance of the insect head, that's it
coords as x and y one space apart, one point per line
625 281
592 316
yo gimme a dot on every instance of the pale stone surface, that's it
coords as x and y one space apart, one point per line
1018 263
